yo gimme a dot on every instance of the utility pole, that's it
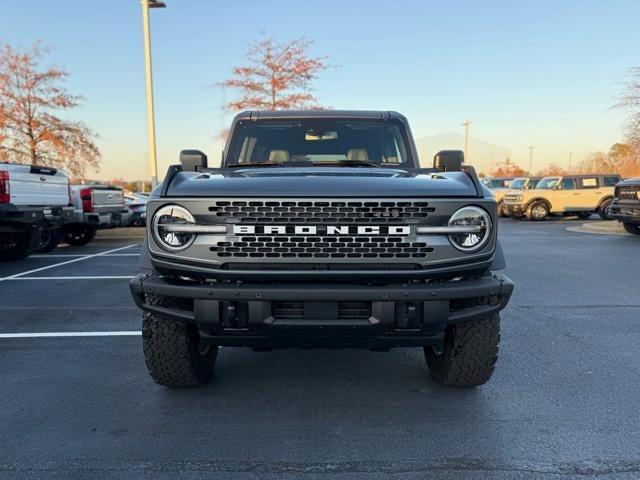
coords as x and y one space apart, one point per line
466 138
151 125
530 148
570 158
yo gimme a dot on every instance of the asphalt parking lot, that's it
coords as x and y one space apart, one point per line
562 404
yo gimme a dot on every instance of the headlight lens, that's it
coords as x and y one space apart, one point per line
519 198
171 215
471 217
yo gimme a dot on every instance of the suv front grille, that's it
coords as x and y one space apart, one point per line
322 247
628 193
320 212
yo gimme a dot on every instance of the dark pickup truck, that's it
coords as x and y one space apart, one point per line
320 229
626 205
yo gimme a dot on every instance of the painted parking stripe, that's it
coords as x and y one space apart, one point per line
97 277
53 255
86 257
129 333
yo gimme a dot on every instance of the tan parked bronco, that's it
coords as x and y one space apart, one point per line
498 185
579 195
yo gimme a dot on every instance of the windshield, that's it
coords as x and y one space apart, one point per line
494 183
519 183
323 142
547 183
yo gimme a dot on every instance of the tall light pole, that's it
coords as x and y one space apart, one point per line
530 148
466 138
570 158
151 124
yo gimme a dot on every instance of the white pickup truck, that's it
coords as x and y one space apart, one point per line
34 204
95 206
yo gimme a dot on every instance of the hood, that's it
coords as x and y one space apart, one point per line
629 182
320 182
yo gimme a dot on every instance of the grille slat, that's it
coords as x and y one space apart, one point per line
346 310
320 212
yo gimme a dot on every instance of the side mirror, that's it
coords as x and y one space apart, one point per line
449 160
193 160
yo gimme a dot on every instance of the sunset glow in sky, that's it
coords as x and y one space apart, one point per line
542 73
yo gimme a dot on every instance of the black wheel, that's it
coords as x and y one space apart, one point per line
583 214
500 210
538 211
605 210
173 352
79 234
18 245
469 353
632 228
49 240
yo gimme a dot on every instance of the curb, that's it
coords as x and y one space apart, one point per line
601 228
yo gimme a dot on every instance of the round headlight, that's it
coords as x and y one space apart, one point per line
478 222
167 223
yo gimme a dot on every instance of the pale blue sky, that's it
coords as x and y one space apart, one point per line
539 72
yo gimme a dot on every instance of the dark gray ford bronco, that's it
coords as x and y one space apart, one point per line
320 229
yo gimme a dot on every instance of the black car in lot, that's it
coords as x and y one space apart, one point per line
626 205
321 230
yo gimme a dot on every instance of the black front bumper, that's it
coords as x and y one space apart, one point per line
514 210
626 212
280 315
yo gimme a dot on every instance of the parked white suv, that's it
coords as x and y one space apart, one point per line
34 204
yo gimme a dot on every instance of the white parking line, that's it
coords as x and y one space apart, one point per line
131 333
86 257
97 277
53 255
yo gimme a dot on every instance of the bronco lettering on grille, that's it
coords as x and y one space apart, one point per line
321 229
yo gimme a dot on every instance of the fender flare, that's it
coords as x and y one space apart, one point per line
608 197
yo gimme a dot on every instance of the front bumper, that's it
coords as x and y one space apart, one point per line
413 314
626 213
514 210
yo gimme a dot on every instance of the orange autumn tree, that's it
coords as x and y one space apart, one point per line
552 170
31 128
278 76
507 168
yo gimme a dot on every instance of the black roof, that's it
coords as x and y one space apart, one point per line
265 114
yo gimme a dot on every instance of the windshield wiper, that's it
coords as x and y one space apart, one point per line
348 163
253 164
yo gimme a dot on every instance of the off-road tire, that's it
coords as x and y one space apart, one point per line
50 238
469 353
78 235
172 350
18 245
536 209
605 210
632 228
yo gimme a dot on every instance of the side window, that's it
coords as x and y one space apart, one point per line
611 181
568 183
589 182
